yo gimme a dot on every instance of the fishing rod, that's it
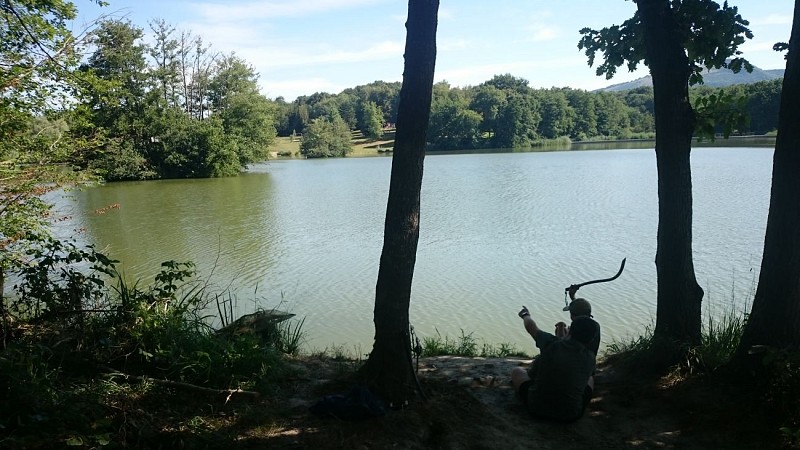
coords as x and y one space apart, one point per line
575 287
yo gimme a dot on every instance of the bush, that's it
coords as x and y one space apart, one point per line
77 328
326 138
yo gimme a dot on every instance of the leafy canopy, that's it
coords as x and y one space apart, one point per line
710 34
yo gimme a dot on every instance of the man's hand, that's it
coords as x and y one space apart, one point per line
561 329
571 291
524 312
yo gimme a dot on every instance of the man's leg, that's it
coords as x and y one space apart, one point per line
587 392
518 376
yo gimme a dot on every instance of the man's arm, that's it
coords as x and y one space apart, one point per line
530 324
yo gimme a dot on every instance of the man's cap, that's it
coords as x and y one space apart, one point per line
579 307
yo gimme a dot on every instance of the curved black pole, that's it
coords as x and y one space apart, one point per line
577 286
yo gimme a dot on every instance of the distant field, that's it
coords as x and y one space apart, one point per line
287 147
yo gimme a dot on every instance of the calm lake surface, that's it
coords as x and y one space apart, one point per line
498 231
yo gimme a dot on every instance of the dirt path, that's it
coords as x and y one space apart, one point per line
471 405
622 414
609 423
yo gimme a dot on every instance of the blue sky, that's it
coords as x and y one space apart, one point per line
300 47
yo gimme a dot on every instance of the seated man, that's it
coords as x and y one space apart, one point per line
560 382
579 307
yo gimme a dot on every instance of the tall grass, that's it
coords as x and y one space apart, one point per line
631 347
719 340
74 328
466 345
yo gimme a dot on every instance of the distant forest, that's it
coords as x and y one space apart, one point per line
125 109
505 112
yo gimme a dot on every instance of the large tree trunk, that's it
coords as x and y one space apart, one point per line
775 318
388 368
678 320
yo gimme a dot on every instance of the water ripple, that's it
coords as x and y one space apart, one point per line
497 231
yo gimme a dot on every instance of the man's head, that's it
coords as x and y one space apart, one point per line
579 307
583 329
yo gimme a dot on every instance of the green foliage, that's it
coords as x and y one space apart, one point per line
54 288
37 54
325 138
118 160
37 51
247 116
28 170
517 124
710 34
23 214
783 388
114 77
371 123
179 114
724 111
248 121
557 115
195 148
508 82
452 124
465 345
290 337
763 103
385 96
631 347
488 101
74 318
720 338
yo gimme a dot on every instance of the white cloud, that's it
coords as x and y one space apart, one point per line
544 33
274 9
771 20
445 13
753 47
452 44
253 45
476 74
376 52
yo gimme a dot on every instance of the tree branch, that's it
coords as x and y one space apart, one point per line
177 384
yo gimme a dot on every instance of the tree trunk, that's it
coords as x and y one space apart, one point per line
775 317
678 320
389 368
3 316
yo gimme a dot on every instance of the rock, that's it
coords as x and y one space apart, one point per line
256 322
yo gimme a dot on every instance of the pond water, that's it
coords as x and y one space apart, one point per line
498 231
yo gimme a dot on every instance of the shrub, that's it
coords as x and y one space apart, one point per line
76 326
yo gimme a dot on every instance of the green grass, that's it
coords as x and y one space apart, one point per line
720 338
81 376
466 345
289 148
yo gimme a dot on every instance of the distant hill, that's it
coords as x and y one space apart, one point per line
711 78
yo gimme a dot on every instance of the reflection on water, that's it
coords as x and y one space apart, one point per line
498 231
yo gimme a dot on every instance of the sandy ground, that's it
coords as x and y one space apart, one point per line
471 405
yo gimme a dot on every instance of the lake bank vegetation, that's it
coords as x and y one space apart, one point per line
91 360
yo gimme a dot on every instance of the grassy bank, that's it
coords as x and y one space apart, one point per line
289 147
91 360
